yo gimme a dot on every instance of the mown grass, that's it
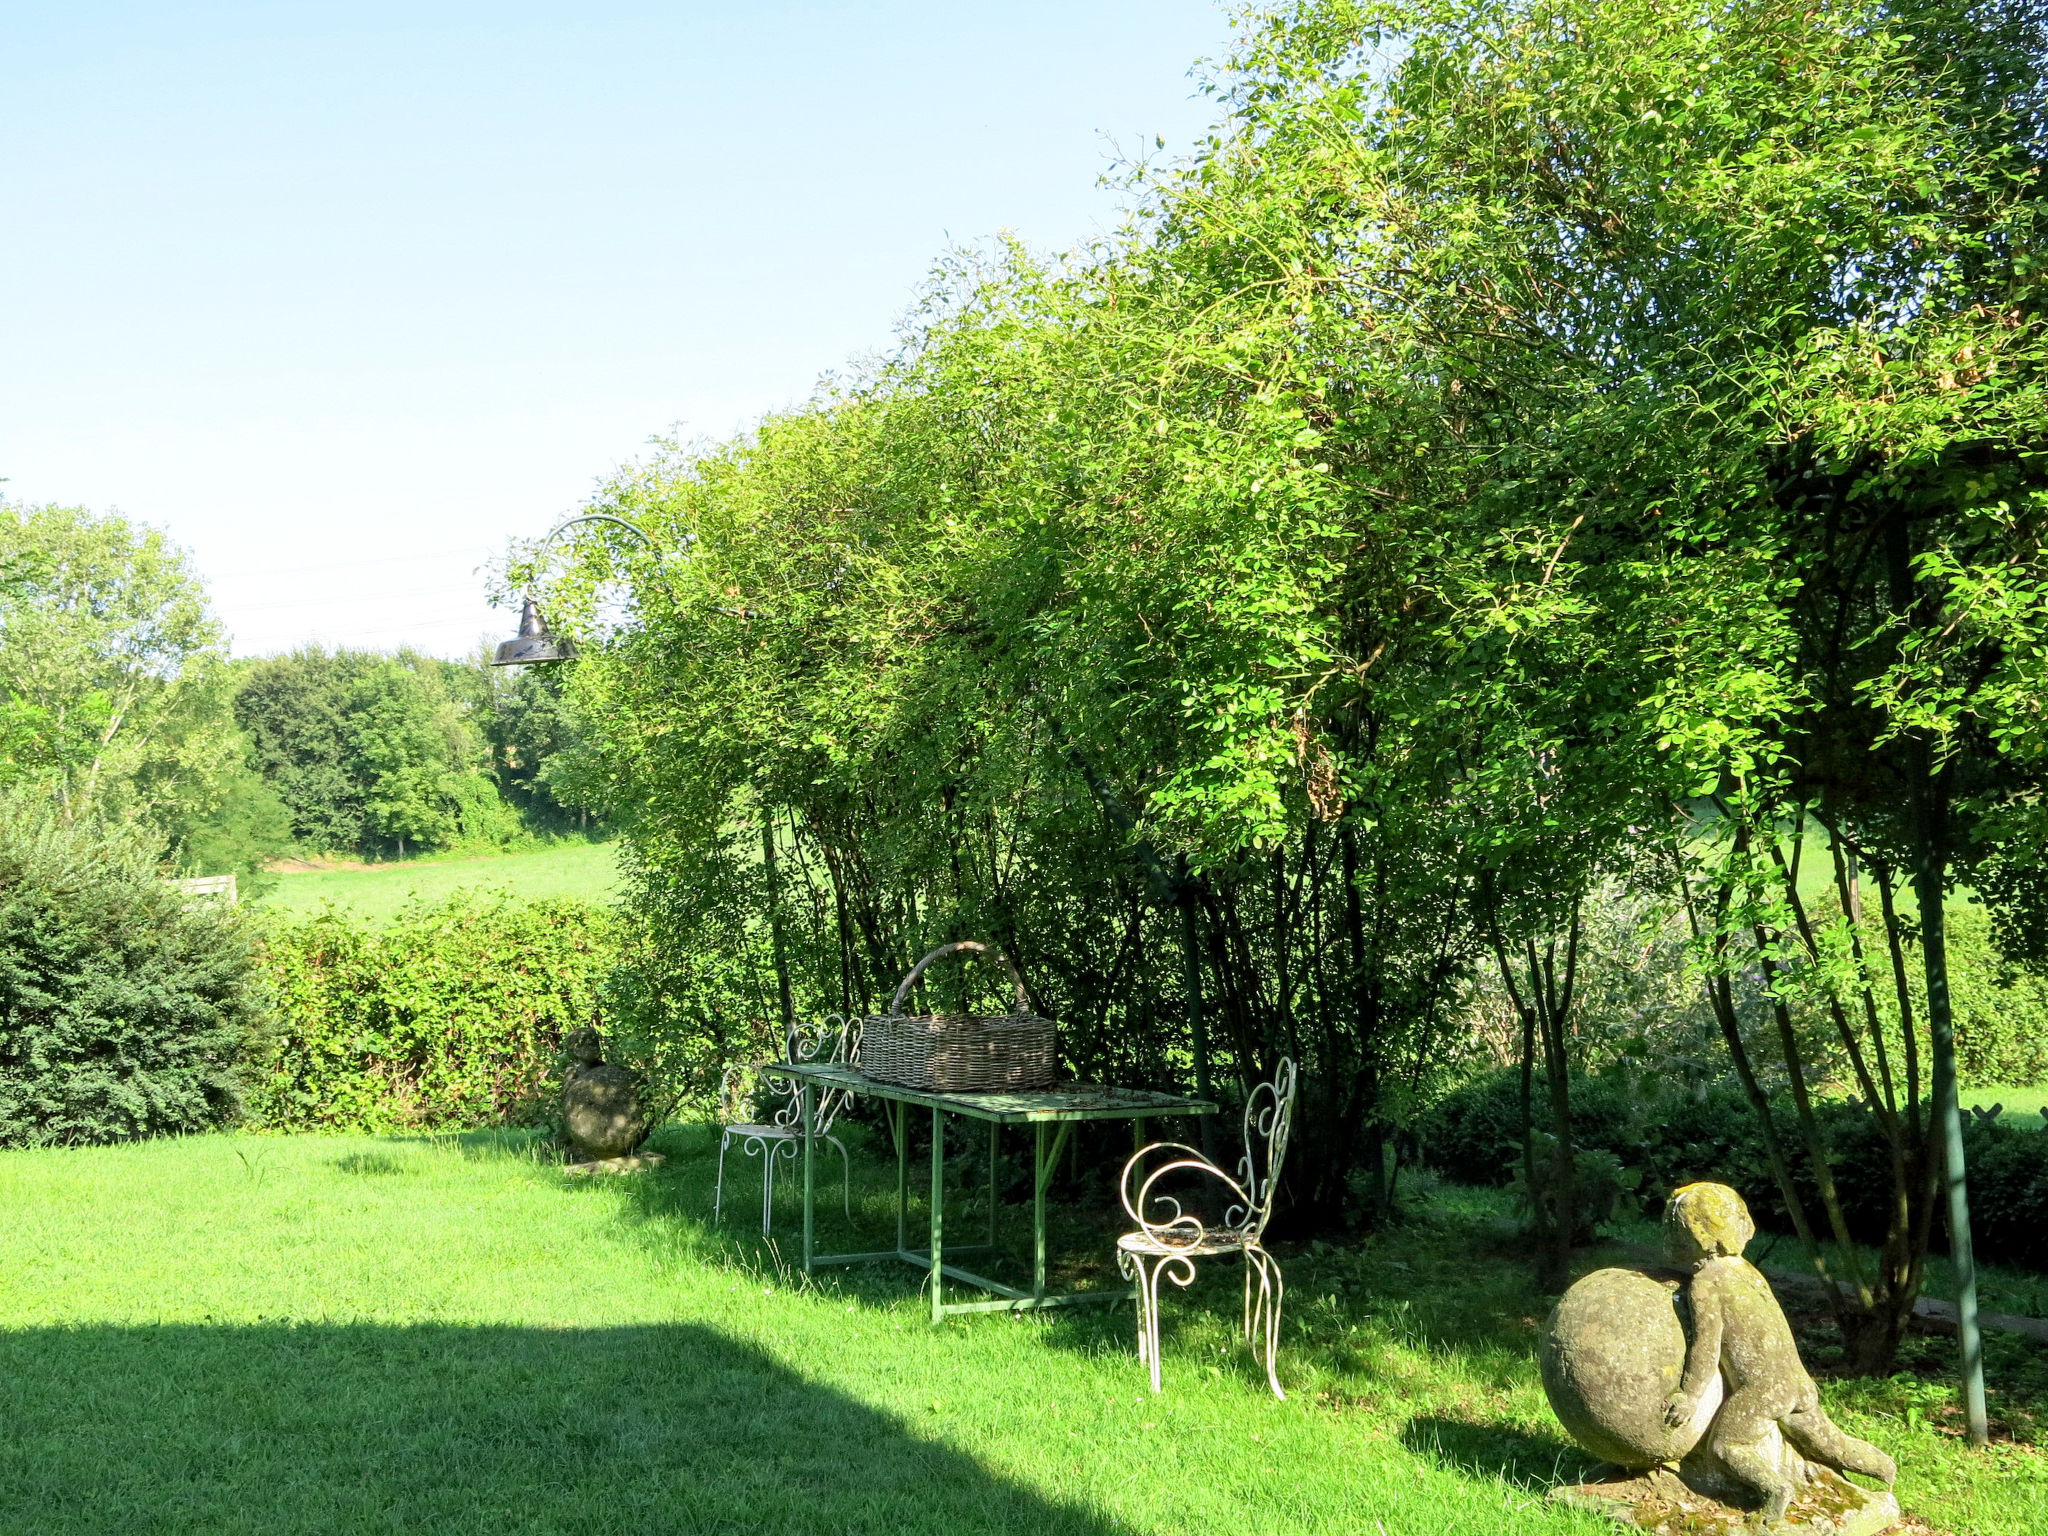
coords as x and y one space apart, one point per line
586 871
2023 1105
245 1334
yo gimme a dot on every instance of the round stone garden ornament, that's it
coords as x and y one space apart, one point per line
1612 1357
602 1116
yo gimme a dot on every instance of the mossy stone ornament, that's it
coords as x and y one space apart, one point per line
1691 1381
602 1116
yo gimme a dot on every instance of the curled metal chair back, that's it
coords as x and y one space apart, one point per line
1268 1118
832 1039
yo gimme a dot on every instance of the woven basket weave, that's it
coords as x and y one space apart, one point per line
959 1052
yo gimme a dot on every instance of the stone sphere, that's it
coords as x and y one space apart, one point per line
601 1112
1612 1356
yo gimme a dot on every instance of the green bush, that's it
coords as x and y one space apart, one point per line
1676 1137
124 1007
450 1018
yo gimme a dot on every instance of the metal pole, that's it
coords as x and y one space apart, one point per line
1198 1027
775 914
1947 1104
938 1210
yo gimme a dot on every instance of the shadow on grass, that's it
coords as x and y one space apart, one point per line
1474 1311
1532 1462
675 1201
345 1428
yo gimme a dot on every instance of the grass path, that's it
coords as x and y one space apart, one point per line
303 1334
375 892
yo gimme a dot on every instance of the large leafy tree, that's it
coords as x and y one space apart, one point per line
113 679
1727 323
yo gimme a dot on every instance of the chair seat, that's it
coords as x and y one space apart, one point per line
1214 1241
766 1132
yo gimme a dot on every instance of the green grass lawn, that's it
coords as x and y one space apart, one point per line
2023 1105
301 1334
588 871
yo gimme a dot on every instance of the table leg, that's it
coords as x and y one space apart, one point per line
899 1119
1039 1173
810 1128
993 1127
938 1212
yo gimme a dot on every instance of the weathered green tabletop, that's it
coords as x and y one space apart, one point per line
1051 1112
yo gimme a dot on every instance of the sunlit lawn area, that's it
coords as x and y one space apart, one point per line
588 871
245 1334
2023 1105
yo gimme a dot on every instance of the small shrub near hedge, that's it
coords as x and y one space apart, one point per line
451 1018
1674 1138
125 1008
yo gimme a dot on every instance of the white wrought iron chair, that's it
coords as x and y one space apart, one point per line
1170 1239
782 1135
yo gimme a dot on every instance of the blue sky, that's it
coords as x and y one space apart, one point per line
343 296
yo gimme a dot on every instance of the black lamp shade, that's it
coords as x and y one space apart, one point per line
533 646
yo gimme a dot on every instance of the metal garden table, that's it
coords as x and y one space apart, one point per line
1052 1114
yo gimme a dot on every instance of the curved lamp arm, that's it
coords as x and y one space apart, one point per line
534 645
593 517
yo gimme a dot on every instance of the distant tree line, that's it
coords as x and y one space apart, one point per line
120 704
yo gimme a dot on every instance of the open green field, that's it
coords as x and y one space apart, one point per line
2022 1105
587 871
304 1334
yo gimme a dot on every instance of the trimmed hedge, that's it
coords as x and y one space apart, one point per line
125 1009
1473 1136
452 1018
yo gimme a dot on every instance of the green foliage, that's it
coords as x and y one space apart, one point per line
1633 1126
534 743
403 759
124 1010
2001 1005
114 684
449 1018
1603 1187
383 754
295 711
246 826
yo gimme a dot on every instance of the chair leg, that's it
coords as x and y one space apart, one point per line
718 1191
1133 1267
845 1177
1263 1320
767 1188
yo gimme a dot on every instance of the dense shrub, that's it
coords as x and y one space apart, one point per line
124 1008
450 1018
1673 1138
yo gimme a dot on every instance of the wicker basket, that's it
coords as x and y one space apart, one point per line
959 1052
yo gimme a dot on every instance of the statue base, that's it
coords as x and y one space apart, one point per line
1660 1501
636 1163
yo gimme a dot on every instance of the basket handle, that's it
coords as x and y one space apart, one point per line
973 947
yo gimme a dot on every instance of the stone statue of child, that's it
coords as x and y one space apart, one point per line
1740 1332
